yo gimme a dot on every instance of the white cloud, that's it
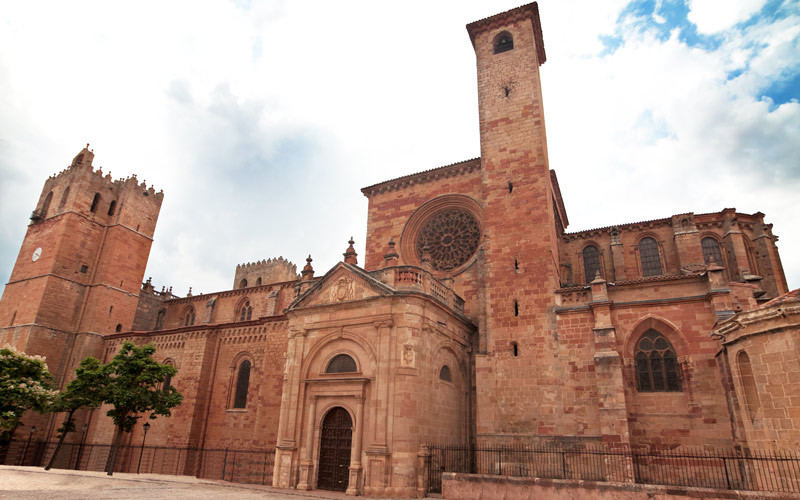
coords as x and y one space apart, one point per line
712 16
262 123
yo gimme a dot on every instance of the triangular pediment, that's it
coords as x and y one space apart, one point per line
343 283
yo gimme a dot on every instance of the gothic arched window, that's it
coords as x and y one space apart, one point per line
242 385
711 250
503 42
64 198
648 254
591 262
46 205
188 317
243 283
657 367
444 374
160 319
95 202
112 207
246 311
342 363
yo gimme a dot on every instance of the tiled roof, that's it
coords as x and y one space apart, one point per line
792 296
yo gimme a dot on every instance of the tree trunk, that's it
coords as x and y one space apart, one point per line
60 440
112 457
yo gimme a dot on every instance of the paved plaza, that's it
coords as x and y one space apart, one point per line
37 483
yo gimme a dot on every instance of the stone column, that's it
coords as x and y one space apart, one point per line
687 240
306 464
613 411
355 452
617 256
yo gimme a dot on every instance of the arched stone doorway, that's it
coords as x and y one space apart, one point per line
334 450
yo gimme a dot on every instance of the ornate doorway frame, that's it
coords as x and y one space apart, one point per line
322 395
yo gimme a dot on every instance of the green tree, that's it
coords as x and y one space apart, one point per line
132 386
25 384
86 390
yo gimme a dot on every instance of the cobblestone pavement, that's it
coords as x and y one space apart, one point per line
57 484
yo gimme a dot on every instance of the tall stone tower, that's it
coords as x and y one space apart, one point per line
80 268
516 374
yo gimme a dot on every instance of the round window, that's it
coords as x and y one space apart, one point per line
451 238
448 230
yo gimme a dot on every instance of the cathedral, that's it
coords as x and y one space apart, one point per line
473 317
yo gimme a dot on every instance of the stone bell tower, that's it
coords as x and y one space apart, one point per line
78 274
523 215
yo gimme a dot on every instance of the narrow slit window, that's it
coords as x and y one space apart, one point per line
515 349
112 207
516 308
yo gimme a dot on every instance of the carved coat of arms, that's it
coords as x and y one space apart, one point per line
343 289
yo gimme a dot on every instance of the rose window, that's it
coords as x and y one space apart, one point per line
451 237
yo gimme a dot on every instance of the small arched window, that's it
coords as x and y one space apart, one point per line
112 207
188 317
258 281
242 385
246 312
748 383
648 254
657 367
46 204
63 198
591 262
95 202
342 363
243 283
118 328
503 42
444 374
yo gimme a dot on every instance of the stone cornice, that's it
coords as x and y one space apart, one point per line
407 181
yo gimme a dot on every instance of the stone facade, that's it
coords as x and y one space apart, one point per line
476 318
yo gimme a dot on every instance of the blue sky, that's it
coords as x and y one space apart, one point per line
262 120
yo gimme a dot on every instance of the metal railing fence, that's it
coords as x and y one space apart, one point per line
756 470
234 465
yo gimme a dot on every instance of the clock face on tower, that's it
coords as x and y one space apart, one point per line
36 254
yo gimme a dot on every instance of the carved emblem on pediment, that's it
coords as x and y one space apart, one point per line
343 289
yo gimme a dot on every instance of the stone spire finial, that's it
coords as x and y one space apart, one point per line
350 255
308 270
391 256
190 292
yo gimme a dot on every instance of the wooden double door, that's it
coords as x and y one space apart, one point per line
334 450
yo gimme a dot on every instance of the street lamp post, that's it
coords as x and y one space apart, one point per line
84 428
27 443
145 427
